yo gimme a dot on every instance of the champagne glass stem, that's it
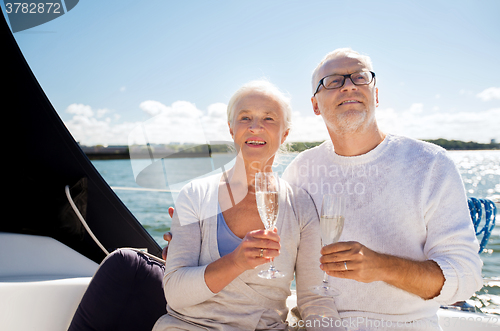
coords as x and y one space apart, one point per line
266 195
332 224
272 259
325 279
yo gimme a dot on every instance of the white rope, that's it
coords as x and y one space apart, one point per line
77 212
151 256
115 188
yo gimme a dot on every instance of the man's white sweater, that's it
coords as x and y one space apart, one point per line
404 198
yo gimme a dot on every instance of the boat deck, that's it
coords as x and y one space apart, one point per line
45 280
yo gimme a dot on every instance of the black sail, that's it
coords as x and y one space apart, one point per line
40 157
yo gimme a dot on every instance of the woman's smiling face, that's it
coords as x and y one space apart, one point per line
258 128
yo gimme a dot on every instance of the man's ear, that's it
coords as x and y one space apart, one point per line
376 96
314 103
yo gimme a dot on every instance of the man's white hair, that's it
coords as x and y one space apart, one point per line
339 52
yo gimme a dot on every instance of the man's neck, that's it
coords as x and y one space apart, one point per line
356 143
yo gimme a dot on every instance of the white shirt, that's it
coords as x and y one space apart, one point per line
404 198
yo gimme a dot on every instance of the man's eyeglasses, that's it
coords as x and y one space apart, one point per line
337 81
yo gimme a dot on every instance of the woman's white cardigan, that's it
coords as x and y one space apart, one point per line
249 302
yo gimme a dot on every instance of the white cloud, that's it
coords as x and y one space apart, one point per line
153 108
416 108
307 128
218 110
489 94
89 129
179 122
215 123
476 126
179 109
80 109
101 112
182 121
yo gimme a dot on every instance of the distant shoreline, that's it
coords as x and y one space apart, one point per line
121 156
121 152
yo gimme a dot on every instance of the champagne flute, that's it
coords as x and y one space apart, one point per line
266 195
332 224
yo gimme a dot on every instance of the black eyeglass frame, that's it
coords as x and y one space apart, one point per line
343 82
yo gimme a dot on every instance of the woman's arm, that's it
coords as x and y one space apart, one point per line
185 282
246 256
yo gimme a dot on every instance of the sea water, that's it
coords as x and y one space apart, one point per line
480 171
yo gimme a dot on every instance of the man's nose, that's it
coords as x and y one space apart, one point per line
349 85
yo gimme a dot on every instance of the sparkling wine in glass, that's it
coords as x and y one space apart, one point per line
331 223
266 194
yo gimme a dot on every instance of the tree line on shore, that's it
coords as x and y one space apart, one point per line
463 145
446 144
184 150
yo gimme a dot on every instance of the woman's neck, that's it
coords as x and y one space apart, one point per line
239 181
243 172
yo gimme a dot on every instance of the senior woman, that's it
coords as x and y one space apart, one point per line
219 243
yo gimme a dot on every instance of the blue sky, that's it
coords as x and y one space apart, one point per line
108 66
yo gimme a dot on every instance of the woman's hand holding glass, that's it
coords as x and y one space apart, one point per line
267 197
257 247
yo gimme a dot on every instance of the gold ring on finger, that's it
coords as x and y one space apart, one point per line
261 252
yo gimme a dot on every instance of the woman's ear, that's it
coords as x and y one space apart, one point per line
230 129
285 135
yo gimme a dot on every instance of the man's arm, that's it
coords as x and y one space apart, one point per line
423 278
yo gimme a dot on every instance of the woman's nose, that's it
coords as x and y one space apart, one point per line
255 126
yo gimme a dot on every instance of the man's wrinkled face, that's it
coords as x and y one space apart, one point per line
350 108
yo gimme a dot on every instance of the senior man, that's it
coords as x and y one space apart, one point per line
408 245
